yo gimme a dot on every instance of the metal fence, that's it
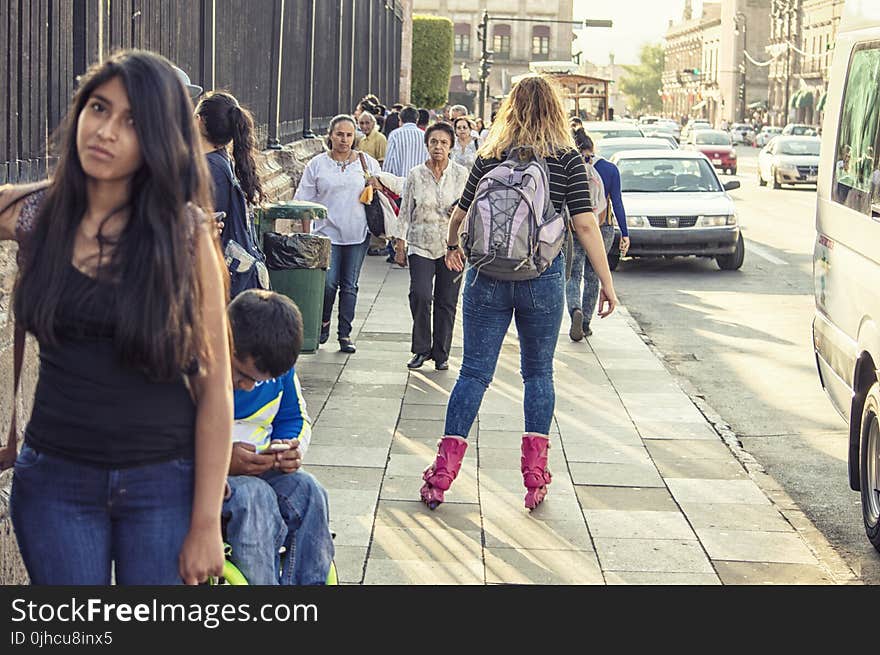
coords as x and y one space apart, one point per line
294 63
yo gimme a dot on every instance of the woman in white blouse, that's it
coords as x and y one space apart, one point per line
465 150
431 193
336 180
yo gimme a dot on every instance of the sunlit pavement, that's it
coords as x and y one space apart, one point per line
644 490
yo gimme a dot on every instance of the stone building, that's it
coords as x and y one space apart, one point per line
726 83
516 44
803 33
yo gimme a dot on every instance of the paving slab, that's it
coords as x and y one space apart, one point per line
752 546
716 491
626 498
730 516
660 578
628 524
643 474
425 544
321 455
766 573
424 572
662 555
706 469
671 449
518 566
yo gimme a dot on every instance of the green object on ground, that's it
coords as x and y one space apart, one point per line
305 286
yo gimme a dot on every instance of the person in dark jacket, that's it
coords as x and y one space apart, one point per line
236 185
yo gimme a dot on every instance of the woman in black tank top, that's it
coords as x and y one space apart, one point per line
122 283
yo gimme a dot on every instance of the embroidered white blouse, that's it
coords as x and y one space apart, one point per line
426 206
324 181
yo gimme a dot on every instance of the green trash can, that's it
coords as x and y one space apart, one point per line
297 262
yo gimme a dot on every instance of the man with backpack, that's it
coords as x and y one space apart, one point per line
603 178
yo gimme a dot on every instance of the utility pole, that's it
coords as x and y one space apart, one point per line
790 8
741 18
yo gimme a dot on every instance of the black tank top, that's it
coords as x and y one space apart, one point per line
89 407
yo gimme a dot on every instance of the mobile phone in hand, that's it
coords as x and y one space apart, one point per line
277 447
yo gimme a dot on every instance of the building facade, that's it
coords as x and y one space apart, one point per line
515 43
802 42
707 73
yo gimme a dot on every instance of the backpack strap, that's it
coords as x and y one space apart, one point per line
17 364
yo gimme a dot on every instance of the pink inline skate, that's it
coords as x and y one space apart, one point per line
438 476
536 475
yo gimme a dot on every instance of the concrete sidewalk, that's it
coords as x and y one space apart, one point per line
644 490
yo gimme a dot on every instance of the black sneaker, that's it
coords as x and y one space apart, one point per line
576 332
325 333
587 331
347 346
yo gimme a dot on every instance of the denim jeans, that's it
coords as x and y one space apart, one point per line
275 509
72 520
488 305
581 268
342 276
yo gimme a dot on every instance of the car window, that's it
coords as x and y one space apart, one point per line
857 169
799 148
713 138
666 175
607 151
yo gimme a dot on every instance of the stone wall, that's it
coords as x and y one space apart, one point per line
280 172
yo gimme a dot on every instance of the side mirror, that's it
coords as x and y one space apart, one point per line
730 186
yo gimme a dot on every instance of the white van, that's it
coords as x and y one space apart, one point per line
846 261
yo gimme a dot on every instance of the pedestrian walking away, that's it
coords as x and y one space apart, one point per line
336 180
125 455
430 195
406 145
604 178
222 121
532 115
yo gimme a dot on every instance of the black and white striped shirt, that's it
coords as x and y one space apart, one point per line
568 182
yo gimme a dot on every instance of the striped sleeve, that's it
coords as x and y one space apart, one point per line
470 188
577 191
392 155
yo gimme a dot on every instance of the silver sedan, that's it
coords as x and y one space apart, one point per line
789 160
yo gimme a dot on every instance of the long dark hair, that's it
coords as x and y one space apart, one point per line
225 120
159 326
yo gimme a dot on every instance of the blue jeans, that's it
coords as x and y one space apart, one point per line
72 520
342 276
488 305
275 509
581 268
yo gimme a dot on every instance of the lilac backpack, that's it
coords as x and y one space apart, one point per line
513 230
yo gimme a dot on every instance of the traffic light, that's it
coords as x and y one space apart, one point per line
481 32
486 64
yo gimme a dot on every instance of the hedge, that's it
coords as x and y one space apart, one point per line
431 60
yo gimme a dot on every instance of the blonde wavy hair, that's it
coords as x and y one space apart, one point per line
532 115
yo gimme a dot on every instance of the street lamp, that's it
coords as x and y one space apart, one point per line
740 17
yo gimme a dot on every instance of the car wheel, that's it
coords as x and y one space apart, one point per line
869 465
761 180
735 261
776 183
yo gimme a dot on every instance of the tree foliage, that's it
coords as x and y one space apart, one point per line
642 83
431 60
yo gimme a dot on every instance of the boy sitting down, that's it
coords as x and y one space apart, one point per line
271 502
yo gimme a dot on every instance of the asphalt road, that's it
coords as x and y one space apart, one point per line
743 340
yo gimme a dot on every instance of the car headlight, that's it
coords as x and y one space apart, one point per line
636 221
787 167
713 221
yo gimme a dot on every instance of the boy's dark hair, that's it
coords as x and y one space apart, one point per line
397 106
268 327
424 118
409 114
583 141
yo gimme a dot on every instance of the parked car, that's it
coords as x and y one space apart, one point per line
846 267
789 160
657 133
611 129
799 129
648 120
716 145
612 145
676 205
742 133
766 134
670 126
698 124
